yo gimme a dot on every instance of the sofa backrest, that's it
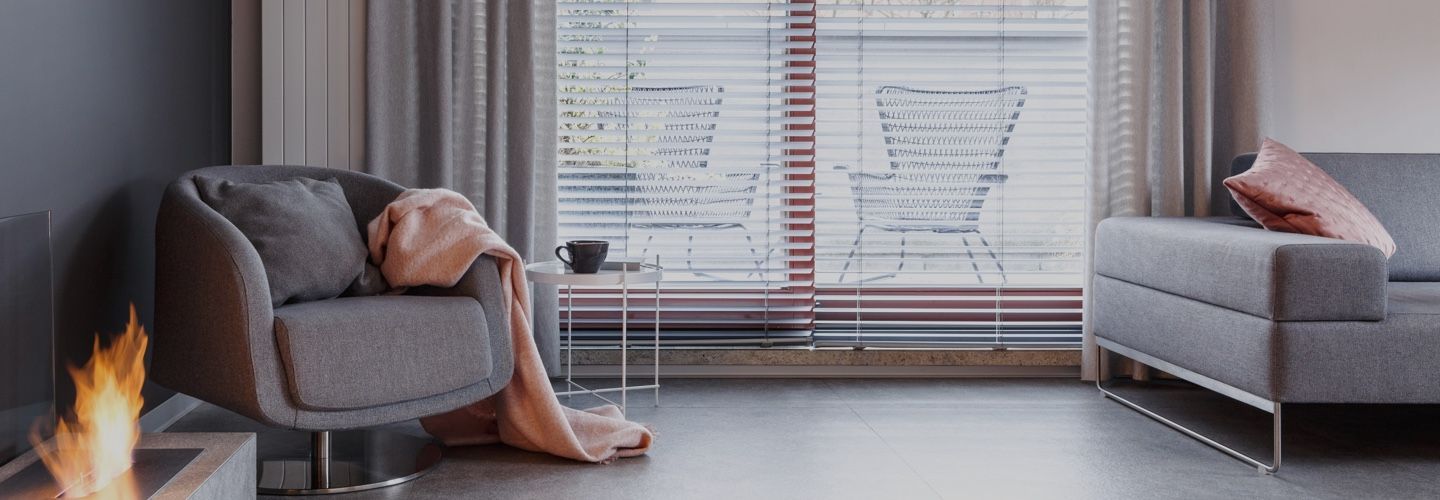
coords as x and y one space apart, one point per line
1403 190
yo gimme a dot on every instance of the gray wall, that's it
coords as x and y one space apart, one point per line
101 104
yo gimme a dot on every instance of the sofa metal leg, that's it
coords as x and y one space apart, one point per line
1260 466
1105 347
342 461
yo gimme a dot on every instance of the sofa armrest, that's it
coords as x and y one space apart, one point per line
1222 261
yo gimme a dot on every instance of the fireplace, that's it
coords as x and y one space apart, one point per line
169 465
152 471
96 450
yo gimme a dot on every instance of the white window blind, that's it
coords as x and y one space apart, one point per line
847 172
684 134
950 172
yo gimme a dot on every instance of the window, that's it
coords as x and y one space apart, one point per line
843 172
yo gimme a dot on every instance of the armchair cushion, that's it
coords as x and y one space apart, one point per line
361 352
1222 262
302 228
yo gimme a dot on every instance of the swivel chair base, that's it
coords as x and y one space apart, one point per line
345 461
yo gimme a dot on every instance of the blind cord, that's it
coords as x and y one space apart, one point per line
1000 287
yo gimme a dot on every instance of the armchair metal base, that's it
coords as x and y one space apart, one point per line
347 461
1272 407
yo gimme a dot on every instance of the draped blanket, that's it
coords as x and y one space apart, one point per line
431 237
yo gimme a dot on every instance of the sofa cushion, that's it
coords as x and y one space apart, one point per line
1391 185
1285 192
1227 345
1388 361
1409 297
302 228
361 352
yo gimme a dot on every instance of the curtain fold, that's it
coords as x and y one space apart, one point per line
461 95
1177 90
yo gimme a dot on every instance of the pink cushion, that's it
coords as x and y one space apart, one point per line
1285 192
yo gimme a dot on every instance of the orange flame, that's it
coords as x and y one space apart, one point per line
95 443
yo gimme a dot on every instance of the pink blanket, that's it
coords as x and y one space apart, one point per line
431 237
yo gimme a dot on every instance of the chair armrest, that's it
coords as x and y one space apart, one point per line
214 325
892 175
1224 262
482 283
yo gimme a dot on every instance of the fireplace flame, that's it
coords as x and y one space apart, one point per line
94 444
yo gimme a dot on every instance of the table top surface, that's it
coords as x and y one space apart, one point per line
611 273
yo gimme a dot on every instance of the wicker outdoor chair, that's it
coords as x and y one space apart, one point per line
673 190
945 148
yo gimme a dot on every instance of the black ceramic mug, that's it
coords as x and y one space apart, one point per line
586 256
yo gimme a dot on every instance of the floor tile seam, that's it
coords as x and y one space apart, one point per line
909 466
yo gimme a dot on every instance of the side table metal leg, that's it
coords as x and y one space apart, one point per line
624 345
569 338
657 337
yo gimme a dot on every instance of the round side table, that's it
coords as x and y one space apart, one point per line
623 274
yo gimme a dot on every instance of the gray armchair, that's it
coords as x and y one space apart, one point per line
331 365
1271 318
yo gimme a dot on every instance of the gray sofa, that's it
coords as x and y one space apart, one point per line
1270 318
329 365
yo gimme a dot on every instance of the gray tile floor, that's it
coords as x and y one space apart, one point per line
949 438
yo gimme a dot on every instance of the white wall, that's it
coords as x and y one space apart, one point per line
1357 76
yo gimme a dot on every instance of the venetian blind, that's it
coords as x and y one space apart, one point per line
950 160
684 134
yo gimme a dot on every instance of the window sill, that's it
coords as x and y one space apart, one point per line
834 357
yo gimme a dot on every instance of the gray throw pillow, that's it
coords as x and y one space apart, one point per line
302 228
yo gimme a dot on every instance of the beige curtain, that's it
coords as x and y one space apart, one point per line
461 95
1177 89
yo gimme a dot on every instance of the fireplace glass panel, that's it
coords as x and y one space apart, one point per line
27 380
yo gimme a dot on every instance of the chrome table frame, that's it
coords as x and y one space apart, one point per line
643 273
1271 407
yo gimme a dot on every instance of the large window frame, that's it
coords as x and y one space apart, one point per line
1034 317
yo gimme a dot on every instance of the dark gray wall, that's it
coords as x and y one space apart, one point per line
101 104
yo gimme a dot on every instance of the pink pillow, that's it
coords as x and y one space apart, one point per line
1285 192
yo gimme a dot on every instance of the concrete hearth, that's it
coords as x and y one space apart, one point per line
201 466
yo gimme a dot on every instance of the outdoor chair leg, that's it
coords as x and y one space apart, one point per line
999 264
690 253
759 263
976 267
900 269
854 247
645 252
